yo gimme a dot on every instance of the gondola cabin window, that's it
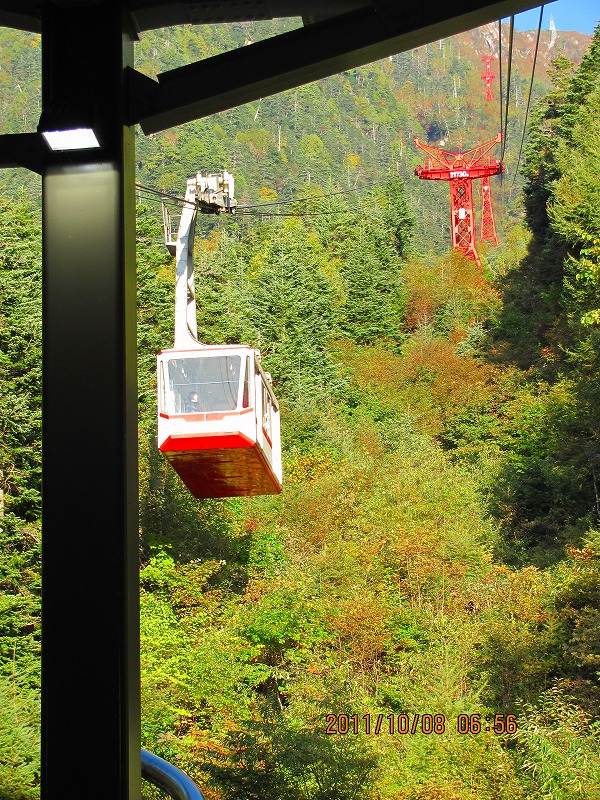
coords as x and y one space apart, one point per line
267 409
203 384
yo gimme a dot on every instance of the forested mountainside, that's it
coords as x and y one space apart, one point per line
355 129
417 616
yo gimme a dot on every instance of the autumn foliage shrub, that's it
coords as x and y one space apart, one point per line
429 379
451 293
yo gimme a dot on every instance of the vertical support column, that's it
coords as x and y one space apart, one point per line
463 217
90 601
488 224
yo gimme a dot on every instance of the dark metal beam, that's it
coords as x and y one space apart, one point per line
22 22
148 14
22 150
161 13
299 57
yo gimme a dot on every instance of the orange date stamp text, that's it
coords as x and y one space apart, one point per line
411 724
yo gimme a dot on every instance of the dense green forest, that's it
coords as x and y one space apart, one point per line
434 558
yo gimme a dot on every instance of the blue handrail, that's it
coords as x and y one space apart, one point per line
169 778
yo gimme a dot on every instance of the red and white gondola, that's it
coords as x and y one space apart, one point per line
218 417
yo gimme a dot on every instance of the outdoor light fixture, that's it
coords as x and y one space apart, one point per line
65 127
73 139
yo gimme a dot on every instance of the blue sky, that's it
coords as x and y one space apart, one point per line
569 15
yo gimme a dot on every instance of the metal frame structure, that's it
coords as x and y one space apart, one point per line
488 77
460 170
488 223
90 605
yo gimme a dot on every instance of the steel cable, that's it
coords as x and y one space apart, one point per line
537 42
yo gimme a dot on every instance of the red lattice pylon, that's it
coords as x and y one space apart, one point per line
460 169
488 77
488 226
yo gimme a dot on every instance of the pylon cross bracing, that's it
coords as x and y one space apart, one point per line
488 225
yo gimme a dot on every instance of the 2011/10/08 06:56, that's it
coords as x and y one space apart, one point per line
419 723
